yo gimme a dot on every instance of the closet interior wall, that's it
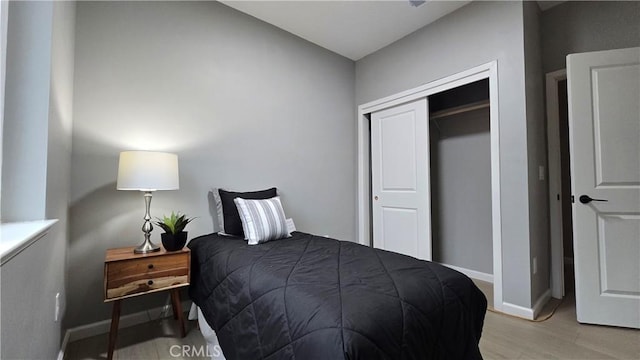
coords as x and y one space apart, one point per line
460 151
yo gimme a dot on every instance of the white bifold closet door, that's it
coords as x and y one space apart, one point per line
400 179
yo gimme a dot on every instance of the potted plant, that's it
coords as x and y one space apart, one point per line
174 237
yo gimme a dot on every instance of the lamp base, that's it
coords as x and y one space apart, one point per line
146 247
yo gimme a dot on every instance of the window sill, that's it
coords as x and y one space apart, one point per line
15 237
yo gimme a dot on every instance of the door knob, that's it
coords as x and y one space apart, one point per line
585 199
375 198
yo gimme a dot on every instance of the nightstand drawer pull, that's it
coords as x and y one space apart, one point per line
150 282
150 266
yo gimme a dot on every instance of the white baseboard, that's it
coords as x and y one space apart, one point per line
472 273
103 327
63 346
524 312
517 310
541 302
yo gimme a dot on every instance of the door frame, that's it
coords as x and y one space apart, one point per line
484 71
555 183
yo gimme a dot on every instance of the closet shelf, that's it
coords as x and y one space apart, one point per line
460 109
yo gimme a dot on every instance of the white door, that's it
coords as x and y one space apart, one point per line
400 179
604 116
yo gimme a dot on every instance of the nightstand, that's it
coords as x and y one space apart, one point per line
127 275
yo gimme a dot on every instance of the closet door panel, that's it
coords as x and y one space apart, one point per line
400 179
398 150
400 226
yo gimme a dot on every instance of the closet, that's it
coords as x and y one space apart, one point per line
431 183
460 173
429 174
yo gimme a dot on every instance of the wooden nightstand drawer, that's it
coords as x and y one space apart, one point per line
146 265
142 283
127 275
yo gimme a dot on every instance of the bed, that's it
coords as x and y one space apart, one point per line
312 297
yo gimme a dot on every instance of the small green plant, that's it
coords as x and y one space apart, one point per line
174 224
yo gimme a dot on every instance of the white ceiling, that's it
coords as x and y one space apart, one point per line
353 29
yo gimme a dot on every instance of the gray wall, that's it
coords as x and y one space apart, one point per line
537 152
4 10
28 287
461 189
477 33
26 111
31 280
581 26
244 105
59 142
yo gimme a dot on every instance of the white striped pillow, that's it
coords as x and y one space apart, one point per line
262 220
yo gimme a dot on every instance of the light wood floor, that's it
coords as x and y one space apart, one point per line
503 337
560 337
156 339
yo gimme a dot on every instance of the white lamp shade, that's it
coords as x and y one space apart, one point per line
148 171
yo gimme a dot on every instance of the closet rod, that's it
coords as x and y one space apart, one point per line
460 109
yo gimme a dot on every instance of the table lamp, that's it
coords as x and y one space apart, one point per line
147 171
